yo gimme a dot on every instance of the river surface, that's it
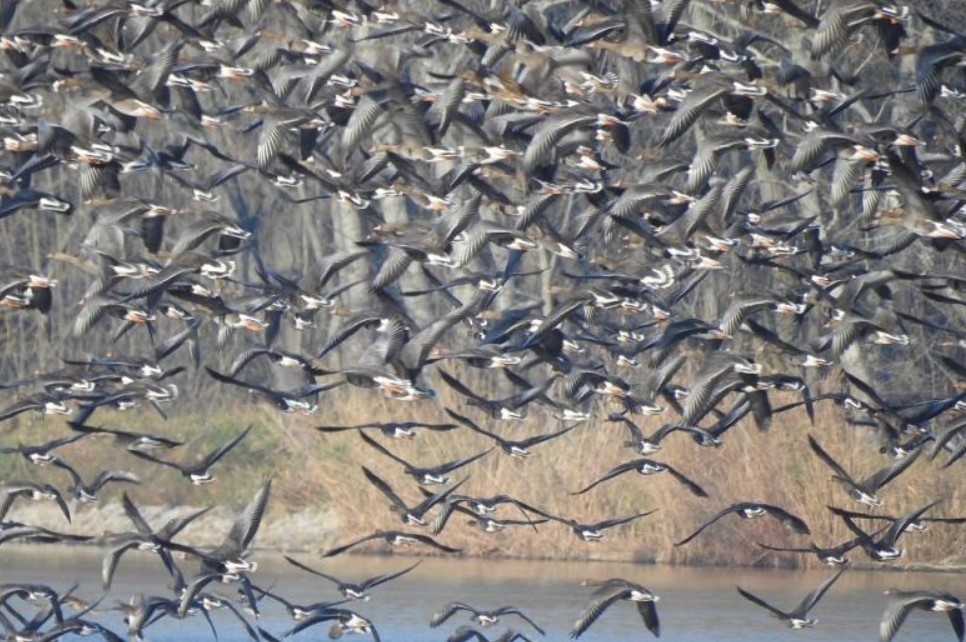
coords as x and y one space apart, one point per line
695 604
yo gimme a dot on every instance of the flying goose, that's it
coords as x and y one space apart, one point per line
645 467
797 618
749 510
35 491
393 538
884 549
592 532
88 492
198 473
409 516
612 591
40 454
517 448
483 618
864 491
392 429
425 476
354 591
145 538
902 603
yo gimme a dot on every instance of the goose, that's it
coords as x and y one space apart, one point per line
483 618
88 492
750 510
229 560
344 621
409 516
354 591
393 538
612 591
199 473
519 448
287 402
482 509
645 467
834 556
864 491
40 454
797 618
652 444
131 441
465 633
34 491
426 476
592 532
884 549
145 538
393 429
902 603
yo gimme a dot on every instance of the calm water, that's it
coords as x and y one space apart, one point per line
695 604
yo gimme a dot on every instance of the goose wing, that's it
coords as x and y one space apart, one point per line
426 539
690 485
386 490
813 598
135 516
373 582
106 476
795 523
593 611
730 509
763 604
617 521
890 472
896 613
220 452
831 463
459 463
332 552
614 472
648 611
449 611
465 633
690 109
385 451
512 610
111 560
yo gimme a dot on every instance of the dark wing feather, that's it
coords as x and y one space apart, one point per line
763 604
831 463
618 470
708 523
813 598
594 611
648 611
332 552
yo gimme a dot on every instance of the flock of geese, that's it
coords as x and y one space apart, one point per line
557 259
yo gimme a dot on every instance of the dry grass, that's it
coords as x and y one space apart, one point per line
316 470
773 467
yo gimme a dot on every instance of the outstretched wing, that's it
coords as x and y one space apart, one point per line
762 603
449 611
648 611
693 487
795 523
708 523
593 611
220 452
831 463
813 598
618 470
332 552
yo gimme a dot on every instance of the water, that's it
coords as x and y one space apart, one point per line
696 604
